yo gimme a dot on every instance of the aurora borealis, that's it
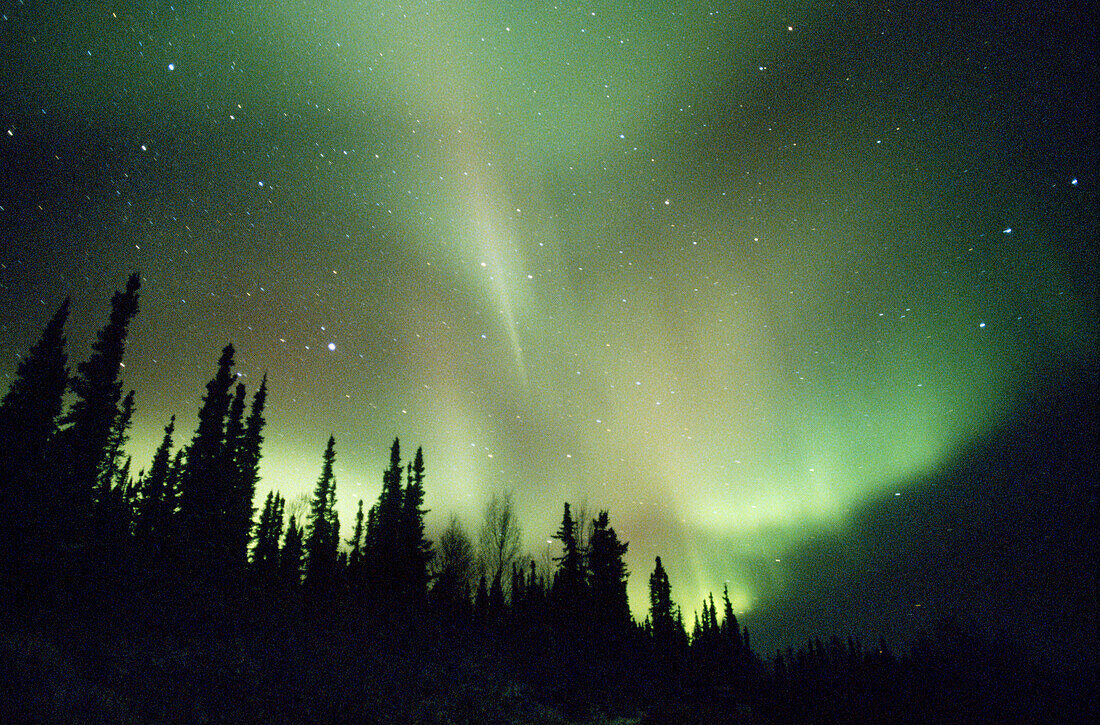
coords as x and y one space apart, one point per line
726 269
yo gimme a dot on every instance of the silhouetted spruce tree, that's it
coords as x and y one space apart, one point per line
417 550
28 420
269 529
201 497
112 519
80 447
706 648
290 558
535 589
262 524
385 553
120 434
710 615
234 435
339 558
225 479
368 577
152 500
734 663
355 554
660 607
245 472
172 498
125 483
607 576
569 581
321 544
730 631
111 513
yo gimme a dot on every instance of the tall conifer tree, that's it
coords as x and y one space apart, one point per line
290 558
386 553
355 555
607 574
200 505
569 582
81 445
120 434
228 560
660 604
269 529
28 420
321 542
112 513
246 471
417 550
153 494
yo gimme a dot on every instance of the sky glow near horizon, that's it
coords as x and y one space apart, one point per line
726 270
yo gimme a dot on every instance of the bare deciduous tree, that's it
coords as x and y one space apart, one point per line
453 565
500 535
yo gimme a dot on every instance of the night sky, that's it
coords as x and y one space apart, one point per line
739 272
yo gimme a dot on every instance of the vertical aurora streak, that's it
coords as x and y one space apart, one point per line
729 270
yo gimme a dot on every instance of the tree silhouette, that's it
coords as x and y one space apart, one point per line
660 599
324 531
500 535
569 580
81 445
153 494
573 645
734 653
355 555
385 553
607 576
201 503
244 470
454 569
120 434
269 530
416 550
667 629
290 558
226 484
112 508
28 419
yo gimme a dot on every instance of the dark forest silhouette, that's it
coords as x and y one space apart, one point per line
165 595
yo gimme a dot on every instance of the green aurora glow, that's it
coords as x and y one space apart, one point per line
724 269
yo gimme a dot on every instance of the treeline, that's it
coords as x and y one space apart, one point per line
75 504
79 513
77 517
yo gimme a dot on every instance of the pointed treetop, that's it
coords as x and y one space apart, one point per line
261 395
133 283
41 375
226 359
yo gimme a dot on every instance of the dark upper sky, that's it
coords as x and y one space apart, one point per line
734 271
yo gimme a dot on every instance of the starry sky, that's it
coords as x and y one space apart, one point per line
731 270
